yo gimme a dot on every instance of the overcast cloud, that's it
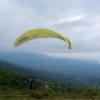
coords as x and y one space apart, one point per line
78 20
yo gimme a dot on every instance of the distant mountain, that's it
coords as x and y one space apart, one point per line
53 64
52 68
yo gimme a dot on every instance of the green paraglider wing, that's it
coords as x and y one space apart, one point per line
40 33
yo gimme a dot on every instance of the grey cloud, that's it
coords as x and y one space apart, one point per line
36 5
18 16
75 23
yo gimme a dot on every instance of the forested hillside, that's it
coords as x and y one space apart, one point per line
12 79
78 79
19 81
13 86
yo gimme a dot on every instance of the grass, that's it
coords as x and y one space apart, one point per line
25 94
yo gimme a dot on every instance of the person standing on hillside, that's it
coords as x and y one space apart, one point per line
30 82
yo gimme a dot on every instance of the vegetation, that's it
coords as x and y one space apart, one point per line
79 78
13 86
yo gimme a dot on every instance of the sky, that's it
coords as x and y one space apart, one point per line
78 20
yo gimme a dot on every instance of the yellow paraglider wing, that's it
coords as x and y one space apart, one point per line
40 33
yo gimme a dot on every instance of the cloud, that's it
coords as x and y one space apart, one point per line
78 20
75 23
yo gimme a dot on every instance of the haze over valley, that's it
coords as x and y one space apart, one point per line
75 71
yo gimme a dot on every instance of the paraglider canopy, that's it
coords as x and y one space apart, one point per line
40 33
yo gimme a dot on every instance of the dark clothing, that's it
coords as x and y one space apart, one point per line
30 82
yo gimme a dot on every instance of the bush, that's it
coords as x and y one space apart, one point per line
91 91
5 88
37 95
45 94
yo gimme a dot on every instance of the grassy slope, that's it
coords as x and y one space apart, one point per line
13 93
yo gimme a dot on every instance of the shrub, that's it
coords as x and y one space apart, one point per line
45 94
37 95
91 91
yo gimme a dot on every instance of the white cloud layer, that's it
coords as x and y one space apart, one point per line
78 20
